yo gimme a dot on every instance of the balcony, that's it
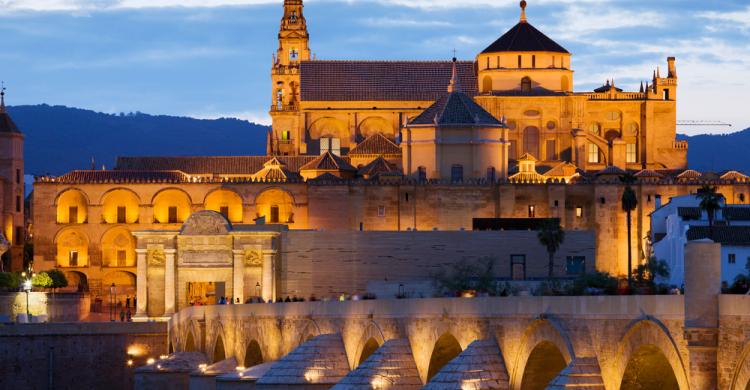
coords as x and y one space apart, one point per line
285 107
286 69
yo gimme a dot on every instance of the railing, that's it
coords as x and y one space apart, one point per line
284 107
667 82
680 145
285 69
616 96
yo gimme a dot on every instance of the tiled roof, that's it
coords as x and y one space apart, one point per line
328 162
318 361
376 144
381 80
123 177
481 365
455 109
378 166
689 212
606 87
524 37
7 125
390 366
725 235
527 157
611 170
648 173
228 165
734 175
734 213
689 174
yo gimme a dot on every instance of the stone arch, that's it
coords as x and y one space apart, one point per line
166 198
446 348
329 127
741 375
115 198
118 247
72 247
531 141
649 331
648 368
309 330
225 199
219 350
77 281
540 331
487 84
66 200
273 202
372 337
124 282
373 125
190 345
253 354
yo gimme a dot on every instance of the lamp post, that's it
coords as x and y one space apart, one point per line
27 289
112 297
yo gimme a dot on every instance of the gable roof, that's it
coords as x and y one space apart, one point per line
455 109
83 176
378 166
227 165
524 37
328 162
381 80
376 144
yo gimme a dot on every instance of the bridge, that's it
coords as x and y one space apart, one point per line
700 340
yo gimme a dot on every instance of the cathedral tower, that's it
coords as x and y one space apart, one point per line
11 188
293 48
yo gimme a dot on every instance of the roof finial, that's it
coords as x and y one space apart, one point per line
523 11
2 97
454 85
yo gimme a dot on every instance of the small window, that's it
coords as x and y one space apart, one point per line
518 267
648 198
732 258
274 214
533 61
381 211
595 128
18 176
224 210
332 145
532 211
172 214
666 94
575 265
122 256
285 135
631 153
613 115
593 154
73 214
122 214
422 174
742 198
602 200
18 203
457 173
526 85
406 197
519 62
293 55
551 125
73 259
579 212
557 203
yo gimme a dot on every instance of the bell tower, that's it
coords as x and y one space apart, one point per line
12 221
293 49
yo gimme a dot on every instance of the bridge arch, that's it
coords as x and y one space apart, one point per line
649 336
253 354
371 340
190 344
446 349
542 336
309 330
741 375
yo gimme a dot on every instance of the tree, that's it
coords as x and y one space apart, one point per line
551 235
710 203
466 276
59 280
647 273
42 280
629 203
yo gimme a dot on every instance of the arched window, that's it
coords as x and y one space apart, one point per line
487 84
595 128
564 83
593 154
526 85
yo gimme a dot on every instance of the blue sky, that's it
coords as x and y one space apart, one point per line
211 58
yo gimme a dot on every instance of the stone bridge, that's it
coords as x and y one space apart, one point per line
697 341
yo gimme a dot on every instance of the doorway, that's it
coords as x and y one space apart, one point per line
205 293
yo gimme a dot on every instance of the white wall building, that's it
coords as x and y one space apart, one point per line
682 220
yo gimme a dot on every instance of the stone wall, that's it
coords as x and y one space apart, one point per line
54 307
332 263
77 355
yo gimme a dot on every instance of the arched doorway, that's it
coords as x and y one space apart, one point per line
76 281
190 343
648 368
226 202
276 205
370 347
253 354
171 206
446 348
72 248
531 141
124 282
219 354
544 364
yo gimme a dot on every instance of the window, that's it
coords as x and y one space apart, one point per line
526 85
422 174
551 150
666 94
742 198
293 17
293 55
533 61
613 115
593 154
122 214
73 259
457 173
491 174
732 258
406 197
172 214
73 214
121 257
518 267
631 153
274 214
557 203
18 176
532 211
519 61
332 145
579 212
18 203
224 210
285 135
602 200
381 211
595 128
19 236
575 265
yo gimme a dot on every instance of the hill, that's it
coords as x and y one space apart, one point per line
718 153
60 139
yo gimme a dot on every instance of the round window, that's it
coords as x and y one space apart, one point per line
531 113
551 125
512 125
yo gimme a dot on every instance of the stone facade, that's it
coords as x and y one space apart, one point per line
12 221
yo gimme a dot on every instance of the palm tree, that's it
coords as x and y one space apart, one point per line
551 235
629 203
710 203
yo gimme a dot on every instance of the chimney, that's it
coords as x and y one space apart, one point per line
672 69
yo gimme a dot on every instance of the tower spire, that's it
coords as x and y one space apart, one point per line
2 97
523 11
454 85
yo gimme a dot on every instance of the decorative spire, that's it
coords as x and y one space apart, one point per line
2 97
523 11
454 85
658 72
641 86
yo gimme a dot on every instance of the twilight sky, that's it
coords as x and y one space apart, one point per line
211 58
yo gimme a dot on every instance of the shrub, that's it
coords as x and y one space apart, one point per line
466 276
10 280
42 280
59 280
594 283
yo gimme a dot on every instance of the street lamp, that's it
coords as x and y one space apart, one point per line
257 289
27 289
112 298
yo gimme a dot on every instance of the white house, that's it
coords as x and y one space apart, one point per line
682 220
